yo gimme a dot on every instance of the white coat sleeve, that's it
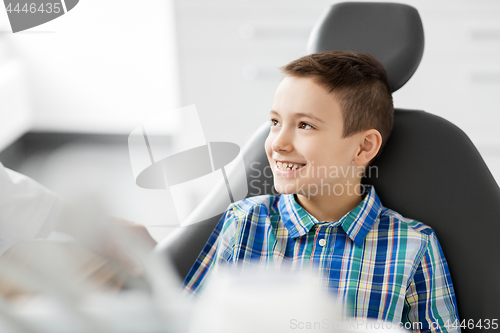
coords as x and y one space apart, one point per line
28 210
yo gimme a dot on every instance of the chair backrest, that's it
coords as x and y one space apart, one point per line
429 170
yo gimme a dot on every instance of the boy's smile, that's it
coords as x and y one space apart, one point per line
305 147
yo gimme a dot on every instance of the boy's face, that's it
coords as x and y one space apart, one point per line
306 130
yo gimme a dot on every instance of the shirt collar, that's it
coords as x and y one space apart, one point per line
356 223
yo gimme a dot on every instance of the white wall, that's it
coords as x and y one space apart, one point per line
459 76
102 67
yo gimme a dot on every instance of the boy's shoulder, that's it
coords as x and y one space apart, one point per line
261 204
389 216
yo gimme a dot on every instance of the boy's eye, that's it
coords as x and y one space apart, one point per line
305 126
274 122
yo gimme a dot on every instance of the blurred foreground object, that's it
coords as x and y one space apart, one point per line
62 287
254 300
86 220
28 210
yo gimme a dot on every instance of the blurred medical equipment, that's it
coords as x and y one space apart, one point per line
27 209
45 289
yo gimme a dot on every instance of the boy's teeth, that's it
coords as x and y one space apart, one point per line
287 166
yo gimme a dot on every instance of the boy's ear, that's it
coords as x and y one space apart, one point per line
369 145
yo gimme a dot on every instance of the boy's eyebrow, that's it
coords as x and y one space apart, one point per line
300 114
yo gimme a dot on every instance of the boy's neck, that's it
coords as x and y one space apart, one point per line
331 207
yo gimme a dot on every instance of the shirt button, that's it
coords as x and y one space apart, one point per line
322 242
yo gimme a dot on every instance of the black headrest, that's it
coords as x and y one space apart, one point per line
390 32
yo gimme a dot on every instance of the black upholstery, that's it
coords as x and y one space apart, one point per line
390 32
429 170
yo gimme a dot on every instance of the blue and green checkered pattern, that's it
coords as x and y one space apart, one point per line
379 263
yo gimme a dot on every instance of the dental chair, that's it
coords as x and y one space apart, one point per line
429 170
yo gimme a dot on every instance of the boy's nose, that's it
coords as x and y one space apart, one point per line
282 142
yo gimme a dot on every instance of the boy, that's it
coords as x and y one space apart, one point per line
331 116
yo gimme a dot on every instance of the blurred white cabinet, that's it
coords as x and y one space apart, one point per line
102 68
16 115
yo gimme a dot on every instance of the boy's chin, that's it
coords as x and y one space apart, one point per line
285 189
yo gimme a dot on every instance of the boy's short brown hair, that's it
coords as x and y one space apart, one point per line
359 83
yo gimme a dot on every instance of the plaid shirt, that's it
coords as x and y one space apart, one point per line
383 265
